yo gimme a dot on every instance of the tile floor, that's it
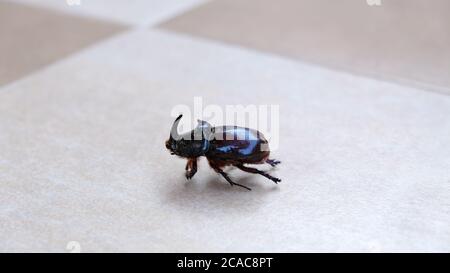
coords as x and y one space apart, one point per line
406 41
365 161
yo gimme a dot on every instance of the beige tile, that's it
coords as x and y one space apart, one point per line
32 38
402 40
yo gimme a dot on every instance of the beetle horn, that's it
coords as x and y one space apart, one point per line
174 130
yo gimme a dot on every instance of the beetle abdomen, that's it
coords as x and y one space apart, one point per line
238 144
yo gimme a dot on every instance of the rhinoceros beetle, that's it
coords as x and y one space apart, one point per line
222 146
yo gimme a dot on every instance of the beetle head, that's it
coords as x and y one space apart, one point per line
192 144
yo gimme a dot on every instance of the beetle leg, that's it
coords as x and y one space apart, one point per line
273 162
191 167
225 175
217 167
253 170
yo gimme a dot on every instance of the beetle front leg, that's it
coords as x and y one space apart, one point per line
253 170
191 167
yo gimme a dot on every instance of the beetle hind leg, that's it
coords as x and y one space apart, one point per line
217 166
273 162
225 175
253 170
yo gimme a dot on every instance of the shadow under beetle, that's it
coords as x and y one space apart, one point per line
222 146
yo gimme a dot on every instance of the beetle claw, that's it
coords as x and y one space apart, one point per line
276 180
273 162
242 186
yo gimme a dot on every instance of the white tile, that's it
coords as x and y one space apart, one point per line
134 12
82 157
